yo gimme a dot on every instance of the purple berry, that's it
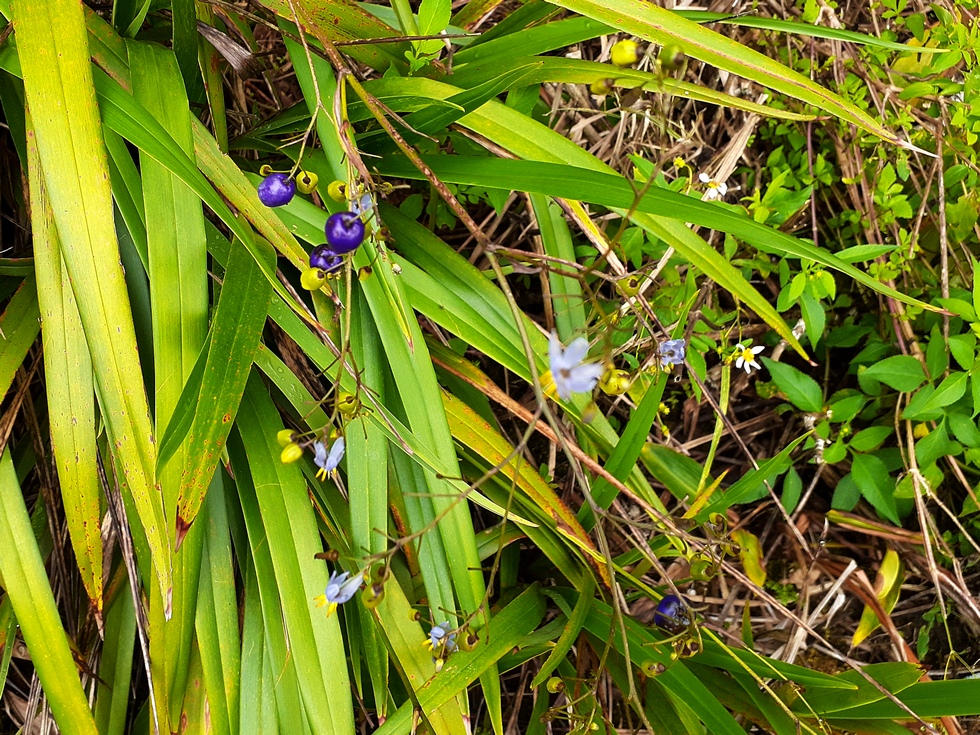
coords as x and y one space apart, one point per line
276 190
672 614
324 258
345 232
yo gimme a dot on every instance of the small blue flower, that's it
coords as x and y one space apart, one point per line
339 590
567 371
328 462
672 352
438 638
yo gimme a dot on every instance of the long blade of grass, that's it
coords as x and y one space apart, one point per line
53 44
27 586
571 182
665 27
70 390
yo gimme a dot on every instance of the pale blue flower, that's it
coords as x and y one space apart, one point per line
438 638
672 352
328 462
567 371
362 206
339 590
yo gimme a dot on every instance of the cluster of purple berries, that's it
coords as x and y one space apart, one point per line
344 230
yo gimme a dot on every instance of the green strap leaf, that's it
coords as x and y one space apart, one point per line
52 41
27 587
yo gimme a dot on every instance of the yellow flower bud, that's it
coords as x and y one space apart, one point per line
625 53
285 437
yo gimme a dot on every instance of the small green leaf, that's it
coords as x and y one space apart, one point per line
949 391
901 372
876 485
801 390
867 440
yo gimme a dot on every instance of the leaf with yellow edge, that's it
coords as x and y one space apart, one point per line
888 586
750 553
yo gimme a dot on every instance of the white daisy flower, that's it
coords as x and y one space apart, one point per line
713 189
745 357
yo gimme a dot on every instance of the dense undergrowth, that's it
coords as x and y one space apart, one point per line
495 367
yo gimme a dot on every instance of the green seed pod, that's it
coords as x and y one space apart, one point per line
372 595
630 286
380 572
265 169
337 191
652 668
364 273
671 57
290 453
601 86
285 437
312 279
347 403
469 639
306 181
555 685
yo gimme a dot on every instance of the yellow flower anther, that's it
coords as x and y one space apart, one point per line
625 53
290 453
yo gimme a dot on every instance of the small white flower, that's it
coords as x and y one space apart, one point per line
745 357
567 371
714 189
328 463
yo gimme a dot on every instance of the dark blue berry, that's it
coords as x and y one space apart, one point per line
672 614
324 258
345 232
276 190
